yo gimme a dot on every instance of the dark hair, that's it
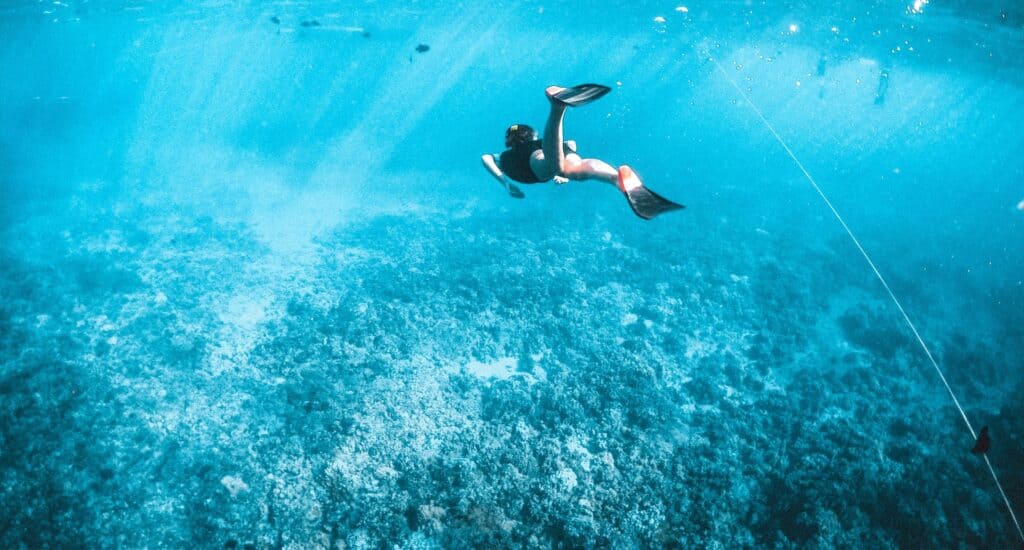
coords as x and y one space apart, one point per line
520 133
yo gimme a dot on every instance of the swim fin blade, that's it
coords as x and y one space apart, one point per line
581 94
645 203
512 190
515 192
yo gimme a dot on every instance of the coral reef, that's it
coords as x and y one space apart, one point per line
424 383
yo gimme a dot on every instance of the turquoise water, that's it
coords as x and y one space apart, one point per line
258 290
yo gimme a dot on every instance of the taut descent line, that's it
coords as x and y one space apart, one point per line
881 279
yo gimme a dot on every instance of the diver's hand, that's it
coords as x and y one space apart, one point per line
560 180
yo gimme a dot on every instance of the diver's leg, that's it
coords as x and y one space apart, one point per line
549 164
576 168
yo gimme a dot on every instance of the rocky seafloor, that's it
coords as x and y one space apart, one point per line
428 379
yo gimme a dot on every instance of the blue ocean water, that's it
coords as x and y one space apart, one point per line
258 291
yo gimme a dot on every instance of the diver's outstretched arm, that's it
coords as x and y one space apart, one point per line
492 167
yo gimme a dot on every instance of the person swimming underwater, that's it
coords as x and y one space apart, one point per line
531 160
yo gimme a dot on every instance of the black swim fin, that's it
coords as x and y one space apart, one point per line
581 95
646 203
515 192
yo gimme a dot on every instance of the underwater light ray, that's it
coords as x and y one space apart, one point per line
877 273
397 109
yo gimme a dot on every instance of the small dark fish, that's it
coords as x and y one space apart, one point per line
275 20
310 23
366 34
423 48
984 442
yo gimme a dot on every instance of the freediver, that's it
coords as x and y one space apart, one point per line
883 87
984 442
529 160
822 63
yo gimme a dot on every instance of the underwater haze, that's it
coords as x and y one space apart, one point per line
257 290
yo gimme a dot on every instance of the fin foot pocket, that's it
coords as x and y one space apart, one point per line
645 203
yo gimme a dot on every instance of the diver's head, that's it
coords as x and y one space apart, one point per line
518 134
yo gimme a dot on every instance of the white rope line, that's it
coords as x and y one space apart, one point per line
881 279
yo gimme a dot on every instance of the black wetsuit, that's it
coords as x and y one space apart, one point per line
515 162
